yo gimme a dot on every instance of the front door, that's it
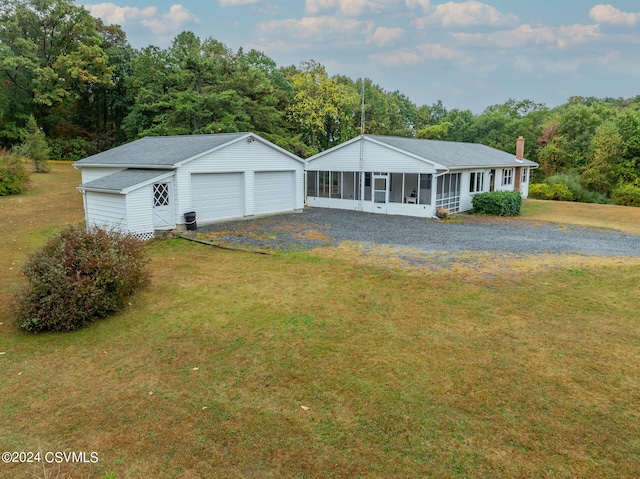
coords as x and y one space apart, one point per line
163 218
380 192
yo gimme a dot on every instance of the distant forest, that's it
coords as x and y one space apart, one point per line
89 91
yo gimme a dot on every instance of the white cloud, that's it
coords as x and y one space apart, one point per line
423 53
236 3
384 36
113 14
171 21
316 6
401 58
610 14
160 24
354 8
319 28
466 14
424 5
526 35
436 51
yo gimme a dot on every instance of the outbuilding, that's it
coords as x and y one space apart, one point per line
149 184
410 176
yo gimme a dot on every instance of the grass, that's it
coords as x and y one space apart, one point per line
622 218
402 372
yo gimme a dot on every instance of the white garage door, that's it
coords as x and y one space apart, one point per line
275 191
217 196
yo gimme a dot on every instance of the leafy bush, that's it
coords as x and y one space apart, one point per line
78 276
557 191
498 203
560 192
572 182
72 149
628 195
539 191
13 175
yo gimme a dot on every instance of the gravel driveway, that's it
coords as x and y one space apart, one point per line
323 227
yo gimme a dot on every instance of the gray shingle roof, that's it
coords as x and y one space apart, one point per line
159 150
453 154
121 180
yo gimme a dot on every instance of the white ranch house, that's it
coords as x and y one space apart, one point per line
409 176
149 184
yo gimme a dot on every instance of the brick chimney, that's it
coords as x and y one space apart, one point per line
520 149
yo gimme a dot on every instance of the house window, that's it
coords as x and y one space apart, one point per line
476 182
525 174
507 176
160 194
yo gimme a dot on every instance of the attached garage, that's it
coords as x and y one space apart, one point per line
274 191
219 177
218 196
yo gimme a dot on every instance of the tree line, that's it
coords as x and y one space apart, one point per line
89 90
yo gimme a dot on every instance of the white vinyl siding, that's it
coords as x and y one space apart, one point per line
376 158
244 156
93 173
274 191
106 210
139 210
217 196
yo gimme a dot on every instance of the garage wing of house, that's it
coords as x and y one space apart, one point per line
149 184
413 177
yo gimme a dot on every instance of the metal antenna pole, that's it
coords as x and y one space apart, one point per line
362 111
361 168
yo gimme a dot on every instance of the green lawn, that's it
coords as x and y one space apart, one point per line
233 364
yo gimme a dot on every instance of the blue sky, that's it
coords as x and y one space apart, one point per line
469 54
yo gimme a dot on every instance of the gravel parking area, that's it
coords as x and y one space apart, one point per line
316 227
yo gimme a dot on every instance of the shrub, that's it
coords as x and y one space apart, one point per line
539 191
498 203
572 182
543 191
13 175
628 195
78 276
560 192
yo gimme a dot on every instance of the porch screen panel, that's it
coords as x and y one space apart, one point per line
411 189
367 186
396 184
448 192
348 186
424 197
312 186
323 184
336 184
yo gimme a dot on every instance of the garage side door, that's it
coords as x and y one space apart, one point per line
217 196
275 191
